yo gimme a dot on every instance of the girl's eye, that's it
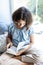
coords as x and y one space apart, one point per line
15 22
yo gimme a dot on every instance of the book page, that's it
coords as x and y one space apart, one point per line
12 50
21 46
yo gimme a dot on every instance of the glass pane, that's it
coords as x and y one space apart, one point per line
31 4
40 9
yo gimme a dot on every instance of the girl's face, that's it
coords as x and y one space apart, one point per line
20 24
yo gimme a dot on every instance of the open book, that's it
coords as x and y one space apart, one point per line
13 50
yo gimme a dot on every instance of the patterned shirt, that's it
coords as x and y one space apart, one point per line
20 35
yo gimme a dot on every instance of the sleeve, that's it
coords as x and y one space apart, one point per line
31 30
10 27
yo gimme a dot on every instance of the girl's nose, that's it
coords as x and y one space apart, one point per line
19 24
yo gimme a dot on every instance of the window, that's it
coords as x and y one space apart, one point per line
35 6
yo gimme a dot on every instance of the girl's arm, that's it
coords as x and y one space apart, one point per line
31 43
9 43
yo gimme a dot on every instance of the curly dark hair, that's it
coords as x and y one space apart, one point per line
23 14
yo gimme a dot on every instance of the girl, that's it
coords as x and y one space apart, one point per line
21 31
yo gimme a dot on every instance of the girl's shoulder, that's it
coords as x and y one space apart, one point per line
11 25
30 30
11 28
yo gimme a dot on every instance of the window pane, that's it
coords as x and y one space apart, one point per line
40 9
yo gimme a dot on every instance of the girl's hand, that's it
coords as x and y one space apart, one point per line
9 45
19 53
22 51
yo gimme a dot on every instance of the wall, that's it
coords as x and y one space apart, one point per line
5 13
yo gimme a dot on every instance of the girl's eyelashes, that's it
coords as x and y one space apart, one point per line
17 23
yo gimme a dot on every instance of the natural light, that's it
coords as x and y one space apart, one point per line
38 27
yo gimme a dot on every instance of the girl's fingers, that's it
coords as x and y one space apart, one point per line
8 46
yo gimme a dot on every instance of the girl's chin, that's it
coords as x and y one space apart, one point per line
19 27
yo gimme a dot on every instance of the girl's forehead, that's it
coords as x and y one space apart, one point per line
21 20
